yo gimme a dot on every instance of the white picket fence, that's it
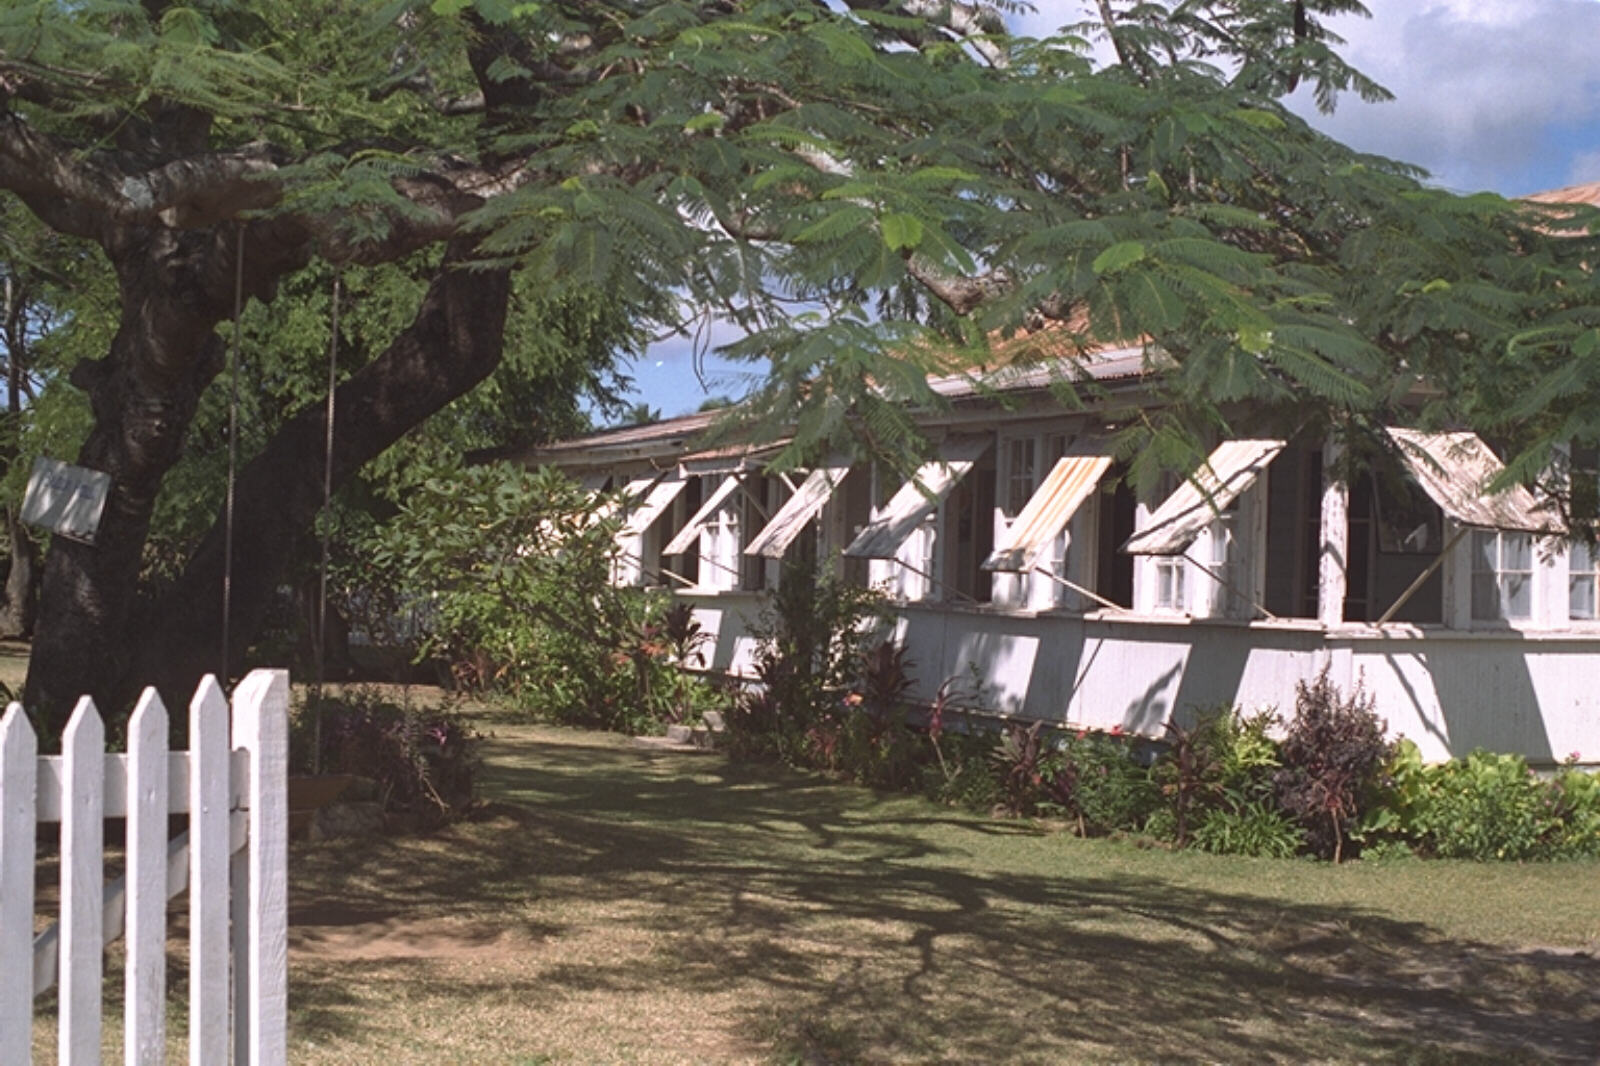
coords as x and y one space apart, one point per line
232 859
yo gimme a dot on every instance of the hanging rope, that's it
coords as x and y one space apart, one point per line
320 650
233 455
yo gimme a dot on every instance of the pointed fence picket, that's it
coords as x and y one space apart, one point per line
233 859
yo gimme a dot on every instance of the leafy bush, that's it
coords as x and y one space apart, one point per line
1256 828
964 775
814 640
1098 781
422 761
515 568
1485 806
1112 791
1219 769
1332 754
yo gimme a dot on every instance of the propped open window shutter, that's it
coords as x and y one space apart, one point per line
1455 469
691 530
1231 469
918 498
1070 482
807 501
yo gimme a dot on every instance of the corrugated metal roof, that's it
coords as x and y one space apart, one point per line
679 435
679 430
1230 469
691 529
802 507
919 497
1070 482
1110 365
1454 469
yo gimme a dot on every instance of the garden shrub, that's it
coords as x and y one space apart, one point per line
1485 807
422 761
1217 777
1112 791
964 774
1332 754
515 568
1255 827
814 640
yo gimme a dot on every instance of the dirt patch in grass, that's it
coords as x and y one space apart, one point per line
616 906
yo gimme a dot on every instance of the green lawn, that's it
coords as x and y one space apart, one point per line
614 905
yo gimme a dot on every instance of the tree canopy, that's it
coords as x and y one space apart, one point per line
864 188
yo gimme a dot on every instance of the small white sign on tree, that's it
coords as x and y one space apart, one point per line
65 499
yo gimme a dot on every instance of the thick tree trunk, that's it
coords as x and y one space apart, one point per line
453 344
175 286
22 591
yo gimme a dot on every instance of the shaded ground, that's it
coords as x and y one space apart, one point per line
620 906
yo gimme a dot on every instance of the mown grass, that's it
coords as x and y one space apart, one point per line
615 905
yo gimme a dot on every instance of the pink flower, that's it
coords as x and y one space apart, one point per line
1116 730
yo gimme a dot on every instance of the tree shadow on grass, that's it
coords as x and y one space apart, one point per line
856 928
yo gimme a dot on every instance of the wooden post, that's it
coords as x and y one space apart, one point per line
19 750
82 885
261 938
209 792
145 999
1334 557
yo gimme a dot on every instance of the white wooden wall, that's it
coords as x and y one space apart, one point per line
233 858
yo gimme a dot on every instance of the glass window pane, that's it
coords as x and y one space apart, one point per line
1483 552
1516 595
1581 557
1580 595
1516 551
1485 597
1166 585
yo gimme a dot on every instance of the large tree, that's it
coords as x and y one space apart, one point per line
903 164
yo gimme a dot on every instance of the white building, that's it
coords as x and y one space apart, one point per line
1020 552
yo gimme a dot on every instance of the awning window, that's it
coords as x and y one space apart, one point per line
918 498
626 499
1454 468
802 507
1070 482
1229 471
655 502
691 530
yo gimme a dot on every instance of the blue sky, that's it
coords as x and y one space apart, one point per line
1489 94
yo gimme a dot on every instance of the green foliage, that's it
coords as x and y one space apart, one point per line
422 761
1113 791
1484 807
813 639
1220 769
1255 827
512 571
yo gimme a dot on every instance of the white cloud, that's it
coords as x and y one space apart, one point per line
1499 94
1488 93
